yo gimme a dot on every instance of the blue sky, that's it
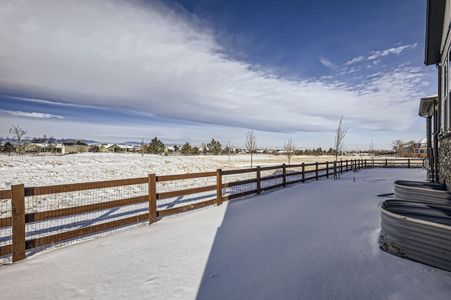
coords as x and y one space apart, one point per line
193 70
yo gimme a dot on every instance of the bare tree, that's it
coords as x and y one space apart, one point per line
340 135
371 152
18 135
142 147
397 145
229 149
44 142
251 143
288 149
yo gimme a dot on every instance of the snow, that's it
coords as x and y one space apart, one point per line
58 169
50 169
309 241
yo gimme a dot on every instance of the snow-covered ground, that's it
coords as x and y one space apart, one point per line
317 240
50 169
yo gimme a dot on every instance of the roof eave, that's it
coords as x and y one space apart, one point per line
435 14
426 108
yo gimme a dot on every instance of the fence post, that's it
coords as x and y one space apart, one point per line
316 171
284 172
259 188
303 173
335 169
18 221
341 165
364 163
218 187
347 166
386 165
408 163
152 186
327 169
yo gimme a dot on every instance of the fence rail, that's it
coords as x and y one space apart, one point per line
16 237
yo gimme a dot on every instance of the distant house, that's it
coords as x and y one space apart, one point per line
127 148
58 148
110 148
421 148
77 147
414 149
33 148
170 149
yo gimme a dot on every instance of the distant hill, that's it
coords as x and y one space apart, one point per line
52 140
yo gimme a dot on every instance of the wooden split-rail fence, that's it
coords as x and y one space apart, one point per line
18 194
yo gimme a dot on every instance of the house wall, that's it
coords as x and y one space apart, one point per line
444 156
444 150
33 148
74 149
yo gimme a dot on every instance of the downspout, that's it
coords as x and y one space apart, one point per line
437 123
429 148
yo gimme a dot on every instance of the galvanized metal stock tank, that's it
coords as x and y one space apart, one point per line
417 224
418 231
424 192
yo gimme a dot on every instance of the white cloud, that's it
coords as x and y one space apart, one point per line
150 59
327 63
355 60
395 50
24 114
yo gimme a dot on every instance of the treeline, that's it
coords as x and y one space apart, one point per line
7 148
214 147
317 152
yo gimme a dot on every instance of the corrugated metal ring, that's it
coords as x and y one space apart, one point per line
423 192
417 231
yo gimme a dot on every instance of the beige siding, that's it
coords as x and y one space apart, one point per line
74 149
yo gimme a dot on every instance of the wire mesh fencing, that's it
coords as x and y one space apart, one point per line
271 176
69 205
191 185
239 184
5 228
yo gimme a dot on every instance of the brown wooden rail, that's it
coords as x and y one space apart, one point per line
18 193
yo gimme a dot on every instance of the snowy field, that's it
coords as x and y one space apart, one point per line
50 169
41 170
317 240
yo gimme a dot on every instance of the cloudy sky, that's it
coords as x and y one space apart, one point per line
191 70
